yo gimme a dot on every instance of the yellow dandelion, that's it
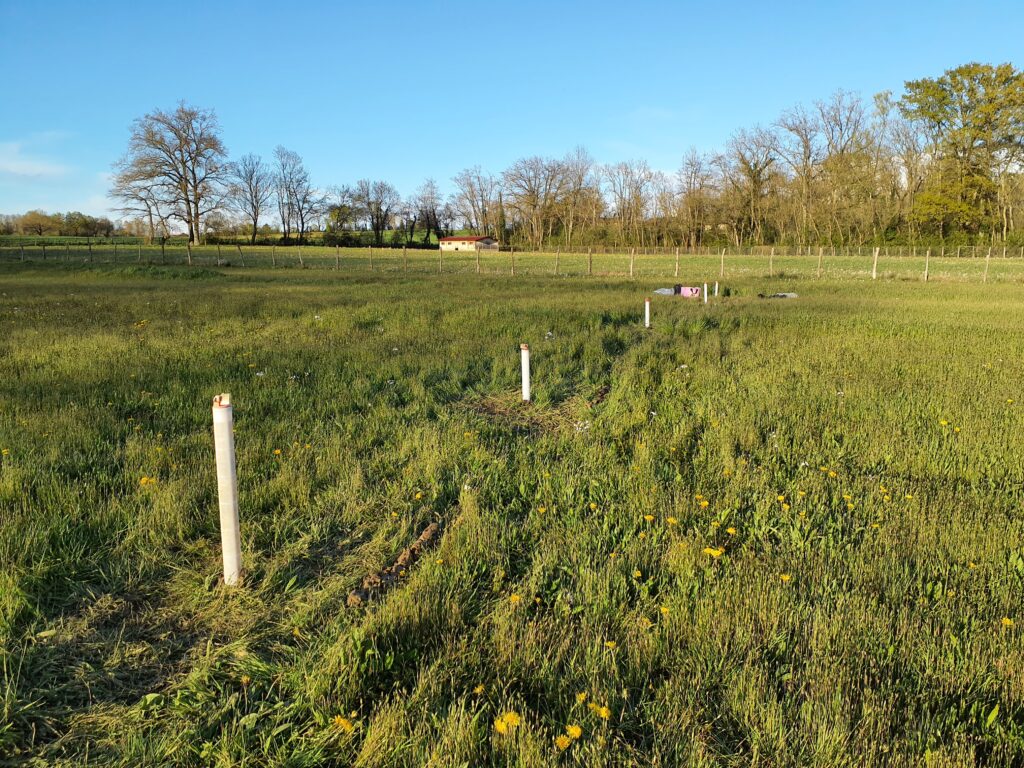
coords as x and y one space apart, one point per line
823 468
467 434
887 498
847 497
943 423
801 494
479 689
909 497
850 506
832 473
785 507
501 726
781 498
573 731
1007 621
664 610
671 520
715 524
542 510
649 518
715 552
277 451
593 506
611 645
642 535
245 679
562 741
439 561
514 598
699 496
1009 401
581 697
637 574
511 719
883 489
418 496
972 565
296 632
343 724
785 577
5 452
731 531
604 713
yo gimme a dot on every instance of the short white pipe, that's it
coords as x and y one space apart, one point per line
525 354
647 313
705 293
716 288
227 487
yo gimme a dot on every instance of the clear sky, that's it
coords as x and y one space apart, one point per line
408 90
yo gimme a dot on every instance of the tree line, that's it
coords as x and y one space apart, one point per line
940 162
71 224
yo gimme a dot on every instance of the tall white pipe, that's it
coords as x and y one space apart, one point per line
705 293
227 486
525 354
716 288
647 313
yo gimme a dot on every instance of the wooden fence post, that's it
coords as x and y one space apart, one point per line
513 260
988 258
771 262
927 256
189 247
241 258
874 266
590 260
558 252
820 254
140 253
632 255
677 261
405 259
273 255
371 258
440 256
337 257
478 261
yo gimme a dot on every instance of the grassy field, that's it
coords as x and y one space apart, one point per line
765 532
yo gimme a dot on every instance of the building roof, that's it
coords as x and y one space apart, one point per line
465 239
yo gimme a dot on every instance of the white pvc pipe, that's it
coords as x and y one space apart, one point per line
227 487
525 354
705 293
716 288
647 313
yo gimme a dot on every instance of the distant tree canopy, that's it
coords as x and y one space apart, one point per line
71 224
941 162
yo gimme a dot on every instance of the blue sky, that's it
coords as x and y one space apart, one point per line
409 90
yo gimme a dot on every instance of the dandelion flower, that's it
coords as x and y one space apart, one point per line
5 452
611 645
511 719
542 510
972 565
785 577
478 689
943 423
343 724
604 713
785 507
245 679
1007 621
664 610
277 451
704 504
500 726
593 506
847 497
514 598
581 697
832 473
731 531
715 552
801 494
562 741
909 497
573 731
439 561
671 520
781 498
649 518
418 496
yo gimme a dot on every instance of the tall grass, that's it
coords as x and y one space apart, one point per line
762 533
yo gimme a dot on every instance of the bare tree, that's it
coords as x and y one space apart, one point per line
298 202
178 158
799 147
378 200
251 188
533 187
429 206
475 200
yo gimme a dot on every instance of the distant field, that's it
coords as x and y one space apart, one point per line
765 532
698 267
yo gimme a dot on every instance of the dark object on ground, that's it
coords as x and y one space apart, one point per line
777 296
376 584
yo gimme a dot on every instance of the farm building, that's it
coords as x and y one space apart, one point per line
468 243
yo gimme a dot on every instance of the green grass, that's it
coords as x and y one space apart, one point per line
843 625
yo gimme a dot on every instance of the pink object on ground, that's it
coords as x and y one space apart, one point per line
689 293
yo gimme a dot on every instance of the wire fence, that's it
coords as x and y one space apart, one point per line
965 263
